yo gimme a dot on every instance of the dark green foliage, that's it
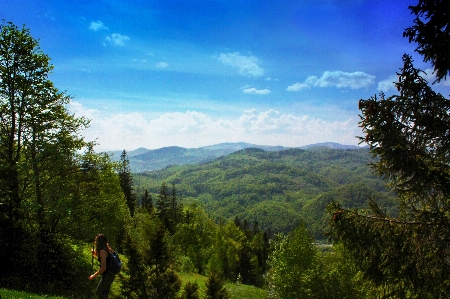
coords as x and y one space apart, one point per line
164 285
135 285
158 255
147 202
126 182
169 207
190 291
406 256
215 287
431 31
162 282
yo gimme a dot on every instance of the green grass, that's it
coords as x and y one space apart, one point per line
236 291
10 294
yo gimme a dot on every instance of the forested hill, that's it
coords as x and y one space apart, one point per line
143 159
278 189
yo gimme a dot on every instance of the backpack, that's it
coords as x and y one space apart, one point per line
115 264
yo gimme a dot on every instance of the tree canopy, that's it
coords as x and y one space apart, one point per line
54 189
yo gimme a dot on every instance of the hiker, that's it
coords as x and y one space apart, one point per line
101 252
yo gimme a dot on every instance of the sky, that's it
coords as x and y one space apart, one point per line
193 73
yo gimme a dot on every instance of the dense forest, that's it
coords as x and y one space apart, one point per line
278 189
248 218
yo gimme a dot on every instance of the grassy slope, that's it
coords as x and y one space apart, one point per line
10 294
236 291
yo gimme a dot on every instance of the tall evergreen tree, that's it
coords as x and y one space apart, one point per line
147 202
215 287
126 182
163 282
190 291
163 205
431 32
406 256
135 284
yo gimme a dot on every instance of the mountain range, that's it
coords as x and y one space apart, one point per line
143 159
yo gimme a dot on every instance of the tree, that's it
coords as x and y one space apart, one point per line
163 205
215 287
431 31
292 258
147 202
163 282
168 207
135 284
39 142
126 182
407 256
35 126
190 291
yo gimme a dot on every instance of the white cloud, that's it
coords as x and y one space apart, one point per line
192 129
431 78
97 25
253 90
162 65
117 39
298 86
246 65
388 84
339 79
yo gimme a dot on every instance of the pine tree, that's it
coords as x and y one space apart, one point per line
162 204
126 182
163 282
190 291
215 287
406 256
134 286
147 202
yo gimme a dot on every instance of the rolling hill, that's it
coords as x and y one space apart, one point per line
278 189
143 159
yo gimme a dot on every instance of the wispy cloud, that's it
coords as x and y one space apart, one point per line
162 65
298 86
339 79
117 39
387 84
193 129
97 25
246 65
253 90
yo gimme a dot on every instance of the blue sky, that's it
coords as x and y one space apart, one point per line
195 73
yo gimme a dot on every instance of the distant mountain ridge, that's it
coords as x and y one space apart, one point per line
143 159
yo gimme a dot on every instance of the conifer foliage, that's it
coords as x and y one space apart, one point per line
126 182
407 256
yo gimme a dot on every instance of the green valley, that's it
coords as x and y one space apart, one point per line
278 189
